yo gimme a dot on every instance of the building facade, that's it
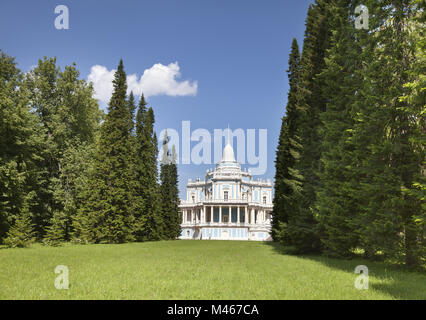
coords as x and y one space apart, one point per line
228 204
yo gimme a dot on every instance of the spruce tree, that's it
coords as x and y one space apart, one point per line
56 231
148 219
302 228
337 201
385 131
131 104
175 200
106 217
287 178
22 233
169 192
415 107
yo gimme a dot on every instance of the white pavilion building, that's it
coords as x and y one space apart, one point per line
228 204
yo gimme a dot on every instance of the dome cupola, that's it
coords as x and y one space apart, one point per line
228 154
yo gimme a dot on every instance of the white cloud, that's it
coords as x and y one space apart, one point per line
158 80
102 82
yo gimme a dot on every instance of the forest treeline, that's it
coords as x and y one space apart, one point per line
69 172
350 164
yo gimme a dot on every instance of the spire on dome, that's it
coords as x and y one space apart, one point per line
227 142
228 154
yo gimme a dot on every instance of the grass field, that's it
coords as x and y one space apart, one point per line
195 270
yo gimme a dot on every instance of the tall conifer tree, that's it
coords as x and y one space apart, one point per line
106 217
169 191
149 224
338 187
386 130
302 229
287 178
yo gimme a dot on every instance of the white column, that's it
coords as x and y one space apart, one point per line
229 214
252 216
211 214
203 215
246 214
238 214
220 214
183 216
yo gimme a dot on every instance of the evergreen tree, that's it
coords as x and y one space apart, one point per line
336 201
22 233
106 217
21 147
385 132
149 224
287 178
302 229
56 231
169 192
139 171
132 160
76 164
415 108
132 108
174 196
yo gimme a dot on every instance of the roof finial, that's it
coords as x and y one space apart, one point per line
228 133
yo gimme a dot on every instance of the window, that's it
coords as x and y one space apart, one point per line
193 198
216 214
225 215
225 195
264 200
242 214
234 215
208 214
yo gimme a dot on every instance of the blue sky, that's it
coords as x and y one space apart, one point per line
232 53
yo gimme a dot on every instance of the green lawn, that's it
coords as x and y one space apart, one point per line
195 270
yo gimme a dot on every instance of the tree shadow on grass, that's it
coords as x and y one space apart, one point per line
397 281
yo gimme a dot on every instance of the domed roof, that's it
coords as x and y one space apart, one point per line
228 154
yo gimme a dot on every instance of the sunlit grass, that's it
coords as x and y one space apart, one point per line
195 270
